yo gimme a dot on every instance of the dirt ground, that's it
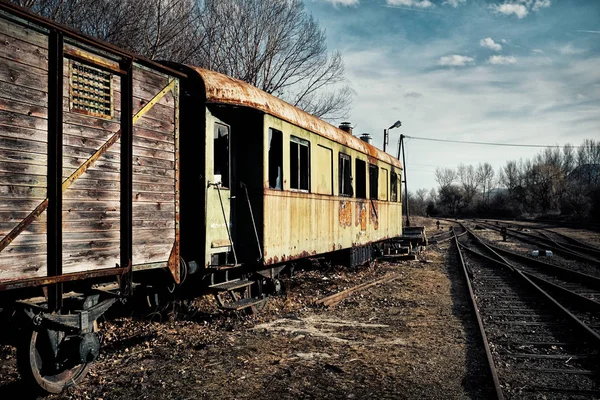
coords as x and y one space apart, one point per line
411 338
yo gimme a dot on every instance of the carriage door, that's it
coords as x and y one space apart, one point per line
218 212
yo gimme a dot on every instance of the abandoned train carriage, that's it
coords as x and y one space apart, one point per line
112 166
279 183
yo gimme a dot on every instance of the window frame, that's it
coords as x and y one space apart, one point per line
393 184
215 137
344 158
300 143
373 167
360 176
271 135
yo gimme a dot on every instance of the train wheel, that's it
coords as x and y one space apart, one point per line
37 364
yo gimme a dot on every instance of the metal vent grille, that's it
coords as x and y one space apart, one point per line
90 91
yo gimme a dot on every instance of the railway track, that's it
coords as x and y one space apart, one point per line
567 251
448 234
541 343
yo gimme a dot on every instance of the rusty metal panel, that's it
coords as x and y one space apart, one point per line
224 89
361 215
345 216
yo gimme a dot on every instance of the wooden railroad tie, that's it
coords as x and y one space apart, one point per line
336 298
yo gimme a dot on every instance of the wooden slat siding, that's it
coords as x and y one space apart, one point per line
23 133
153 208
18 120
152 135
39 226
16 73
99 185
20 157
23 52
23 94
23 108
23 149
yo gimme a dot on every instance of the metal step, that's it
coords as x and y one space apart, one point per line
241 304
230 285
220 267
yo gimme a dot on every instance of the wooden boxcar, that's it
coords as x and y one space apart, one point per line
89 141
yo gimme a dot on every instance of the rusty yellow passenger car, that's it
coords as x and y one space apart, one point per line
277 183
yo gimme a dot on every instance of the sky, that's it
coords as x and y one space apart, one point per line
516 72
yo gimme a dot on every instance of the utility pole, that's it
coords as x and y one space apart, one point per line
401 149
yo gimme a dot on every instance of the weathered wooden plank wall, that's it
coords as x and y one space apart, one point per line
154 169
23 148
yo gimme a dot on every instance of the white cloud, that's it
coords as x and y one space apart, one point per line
538 51
490 44
346 3
454 3
504 41
455 60
569 50
502 60
541 4
510 8
410 3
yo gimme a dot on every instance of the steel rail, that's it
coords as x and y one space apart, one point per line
502 261
536 241
582 277
486 344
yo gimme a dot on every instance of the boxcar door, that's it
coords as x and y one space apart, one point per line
221 250
91 160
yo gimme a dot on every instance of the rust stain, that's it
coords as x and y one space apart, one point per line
361 215
374 215
173 263
345 214
224 89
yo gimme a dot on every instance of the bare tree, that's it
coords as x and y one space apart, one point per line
445 176
469 182
485 177
274 45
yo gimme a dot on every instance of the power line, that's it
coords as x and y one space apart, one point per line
483 143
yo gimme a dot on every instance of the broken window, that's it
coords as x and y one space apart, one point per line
221 154
275 159
373 182
345 175
394 186
361 179
299 164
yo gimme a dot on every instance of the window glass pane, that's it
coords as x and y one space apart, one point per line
294 165
394 186
275 159
304 168
383 184
299 163
361 179
221 154
345 175
373 182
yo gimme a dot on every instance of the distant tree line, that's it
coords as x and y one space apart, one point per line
558 181
274 45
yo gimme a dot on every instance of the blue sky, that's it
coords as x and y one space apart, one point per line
521 71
